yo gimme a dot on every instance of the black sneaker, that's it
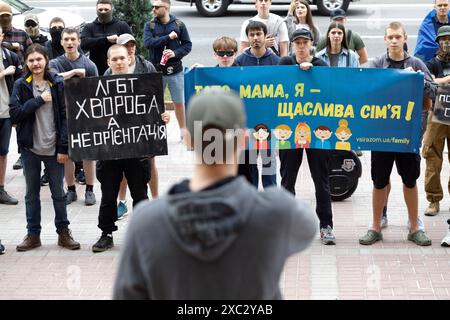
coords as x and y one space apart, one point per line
44 180
5 198
18 164
2 248
80 178
104 243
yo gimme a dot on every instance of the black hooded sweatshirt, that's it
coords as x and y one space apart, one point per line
94 39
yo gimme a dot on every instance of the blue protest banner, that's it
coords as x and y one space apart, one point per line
329 108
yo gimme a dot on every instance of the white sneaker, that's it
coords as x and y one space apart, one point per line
446 241
420 225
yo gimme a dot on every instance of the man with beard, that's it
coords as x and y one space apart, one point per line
98 36
14 39
31 23
167 40
436 133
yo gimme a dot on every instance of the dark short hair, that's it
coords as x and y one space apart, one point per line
256 25
70 30
56 19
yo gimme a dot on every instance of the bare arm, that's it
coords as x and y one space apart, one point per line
283 49
363 57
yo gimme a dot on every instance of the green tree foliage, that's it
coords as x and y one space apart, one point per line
136 13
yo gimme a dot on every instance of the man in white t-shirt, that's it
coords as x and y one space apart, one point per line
277 35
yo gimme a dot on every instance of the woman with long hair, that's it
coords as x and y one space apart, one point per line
299 17
37 108
337 53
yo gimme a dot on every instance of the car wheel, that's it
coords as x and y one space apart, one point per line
326 6
212 8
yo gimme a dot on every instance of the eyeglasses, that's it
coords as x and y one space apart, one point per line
30 23
225 53
157 7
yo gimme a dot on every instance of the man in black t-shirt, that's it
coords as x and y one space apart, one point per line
317 158
408 164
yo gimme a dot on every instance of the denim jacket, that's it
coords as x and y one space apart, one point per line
345 56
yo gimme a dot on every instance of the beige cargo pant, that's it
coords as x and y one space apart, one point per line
432 151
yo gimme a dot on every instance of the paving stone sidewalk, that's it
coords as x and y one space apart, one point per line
391 269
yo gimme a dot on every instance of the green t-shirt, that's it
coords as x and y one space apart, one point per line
355 43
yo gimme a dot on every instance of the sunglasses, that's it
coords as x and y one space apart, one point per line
225 53
30 23
157 7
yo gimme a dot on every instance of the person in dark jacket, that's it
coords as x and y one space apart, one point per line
37 108
54 46
10 70
168 41
31 24
98 36
213 236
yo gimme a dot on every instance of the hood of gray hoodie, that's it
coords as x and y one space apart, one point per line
206 223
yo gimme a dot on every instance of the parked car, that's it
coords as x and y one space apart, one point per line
20 10
215 8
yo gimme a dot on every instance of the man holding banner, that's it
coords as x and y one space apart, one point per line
69 65
408 164
318 159
111 172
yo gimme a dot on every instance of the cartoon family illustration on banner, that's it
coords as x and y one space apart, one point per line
322 138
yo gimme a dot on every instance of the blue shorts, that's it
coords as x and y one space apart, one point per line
176 86
5 135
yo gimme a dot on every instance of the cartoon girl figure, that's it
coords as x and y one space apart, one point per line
262 137
343 133
302 135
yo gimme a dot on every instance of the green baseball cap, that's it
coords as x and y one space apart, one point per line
217 108
443 31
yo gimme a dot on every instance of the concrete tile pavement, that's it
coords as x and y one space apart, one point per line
392 269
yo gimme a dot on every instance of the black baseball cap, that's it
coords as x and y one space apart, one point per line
337 14
302 33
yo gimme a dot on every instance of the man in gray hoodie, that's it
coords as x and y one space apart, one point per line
213 236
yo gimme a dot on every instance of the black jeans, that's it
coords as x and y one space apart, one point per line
110 174
318 161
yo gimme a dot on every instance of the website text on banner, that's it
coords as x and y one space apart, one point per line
328 108
115 117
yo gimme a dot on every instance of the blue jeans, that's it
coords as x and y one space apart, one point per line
32 171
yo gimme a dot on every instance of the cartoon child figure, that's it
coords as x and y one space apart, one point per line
322 134
343 133
262 136
302 135
282 132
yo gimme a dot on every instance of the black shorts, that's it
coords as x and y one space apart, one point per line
408 167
